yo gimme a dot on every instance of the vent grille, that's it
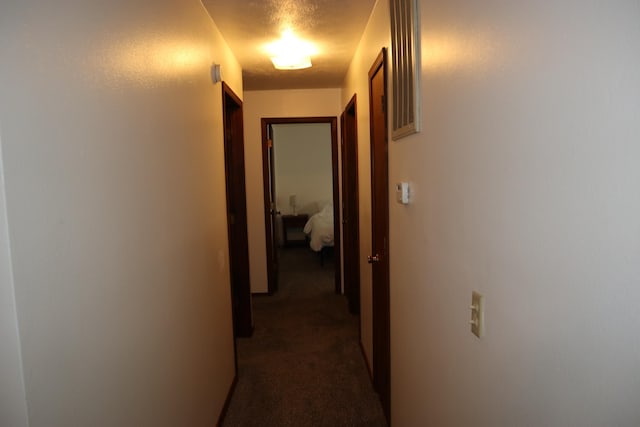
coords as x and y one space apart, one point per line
405 49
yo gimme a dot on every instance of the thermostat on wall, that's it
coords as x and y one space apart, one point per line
216 75
402 193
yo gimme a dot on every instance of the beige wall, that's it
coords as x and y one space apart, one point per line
303 166
13 403
112 155
258 105
525 182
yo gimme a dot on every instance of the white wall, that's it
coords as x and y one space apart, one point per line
526 188
114 174
375 37
264 104
303 166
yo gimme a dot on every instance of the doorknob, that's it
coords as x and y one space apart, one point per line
373 258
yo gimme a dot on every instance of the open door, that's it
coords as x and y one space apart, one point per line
379 258
237 213
350 209
270 206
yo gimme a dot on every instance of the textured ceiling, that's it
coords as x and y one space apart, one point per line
335 26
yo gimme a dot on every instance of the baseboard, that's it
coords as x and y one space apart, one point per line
225 408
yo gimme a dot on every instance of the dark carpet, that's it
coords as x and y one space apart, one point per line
303 366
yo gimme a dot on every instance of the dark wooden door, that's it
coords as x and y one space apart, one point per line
350 209
271 213
379 257
237 213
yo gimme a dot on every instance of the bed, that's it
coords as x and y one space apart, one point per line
319 228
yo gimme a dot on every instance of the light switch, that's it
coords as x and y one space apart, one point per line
402 193
477 314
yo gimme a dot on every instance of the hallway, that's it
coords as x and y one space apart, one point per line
303 366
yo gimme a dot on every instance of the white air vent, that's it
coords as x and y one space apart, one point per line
405 51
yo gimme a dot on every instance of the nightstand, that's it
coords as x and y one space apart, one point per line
292 226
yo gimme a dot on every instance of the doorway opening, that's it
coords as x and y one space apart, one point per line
237 212
379 258
293 195
350 206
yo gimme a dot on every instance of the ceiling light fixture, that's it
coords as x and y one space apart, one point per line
290 52
291 62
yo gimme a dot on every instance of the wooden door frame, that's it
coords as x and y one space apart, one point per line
265 123
233 136
350 213
380 293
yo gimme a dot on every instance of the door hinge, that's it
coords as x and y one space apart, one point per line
269 143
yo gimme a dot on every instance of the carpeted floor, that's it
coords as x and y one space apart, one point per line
303 366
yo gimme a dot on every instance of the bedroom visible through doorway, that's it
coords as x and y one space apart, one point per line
300 165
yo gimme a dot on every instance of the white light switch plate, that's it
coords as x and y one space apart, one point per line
403 193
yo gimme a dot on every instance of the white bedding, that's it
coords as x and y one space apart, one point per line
319 228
